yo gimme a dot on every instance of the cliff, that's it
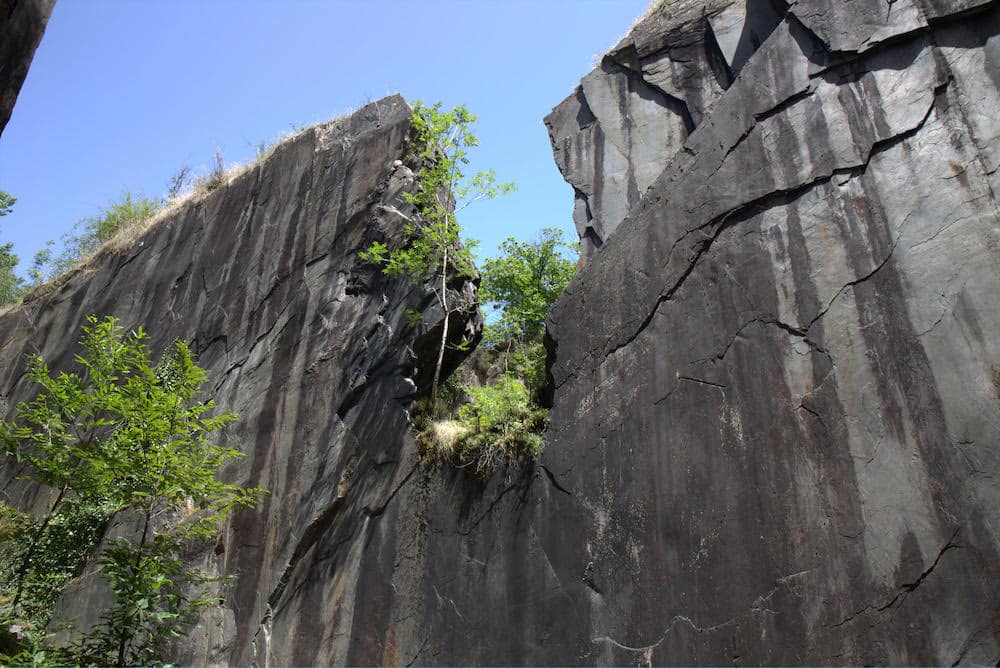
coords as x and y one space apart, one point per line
775 385
307 343
777 389
22 23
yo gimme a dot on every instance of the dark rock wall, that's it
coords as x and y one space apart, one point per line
22 23
306 342
776 416
776 404
775 426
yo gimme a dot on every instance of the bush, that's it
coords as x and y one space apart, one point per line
124 436
499 424
128 213
524 281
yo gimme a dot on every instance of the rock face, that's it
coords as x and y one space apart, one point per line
776 388
22 23
634 112
777 401
306 342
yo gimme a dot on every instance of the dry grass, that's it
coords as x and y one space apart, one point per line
218 176
129 236
445 436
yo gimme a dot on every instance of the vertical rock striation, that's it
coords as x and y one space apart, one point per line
307 343
776 387
22 23
777 403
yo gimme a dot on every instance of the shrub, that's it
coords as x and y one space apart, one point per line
500 424
126 214
524 281
123 436
434 248
217 176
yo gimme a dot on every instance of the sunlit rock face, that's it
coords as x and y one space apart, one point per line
22 24
777 378
310 345
775 425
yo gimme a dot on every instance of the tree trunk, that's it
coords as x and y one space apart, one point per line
22 570
127 634
444 333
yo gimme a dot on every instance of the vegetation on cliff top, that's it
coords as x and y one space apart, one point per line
477 426
434 248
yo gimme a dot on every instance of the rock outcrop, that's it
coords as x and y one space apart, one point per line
777 401
307 343
22 23
775 382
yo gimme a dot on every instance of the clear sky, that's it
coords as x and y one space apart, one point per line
121 93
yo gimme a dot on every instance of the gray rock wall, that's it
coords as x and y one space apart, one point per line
307 343
775 417
776 394
22 23
777 403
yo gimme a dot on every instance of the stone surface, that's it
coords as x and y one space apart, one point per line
630 115
22 23
775 408
309 344
777 404
775 431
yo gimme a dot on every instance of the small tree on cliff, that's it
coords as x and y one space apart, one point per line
524 282
125 437
10 283
442 142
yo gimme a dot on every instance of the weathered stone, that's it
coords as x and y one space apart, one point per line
776 403
22 23
775 387
307 343
632 114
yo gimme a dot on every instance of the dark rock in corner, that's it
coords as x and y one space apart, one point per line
22 23
776 400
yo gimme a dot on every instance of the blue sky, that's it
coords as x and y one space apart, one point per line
122 93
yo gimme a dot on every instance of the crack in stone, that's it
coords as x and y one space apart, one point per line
906 589
701 381
488 511
756 607
552 478
379 510
721 222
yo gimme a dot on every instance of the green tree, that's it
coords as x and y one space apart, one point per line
124 437
524 281
442 142
37 274
6 202
10 283
89 233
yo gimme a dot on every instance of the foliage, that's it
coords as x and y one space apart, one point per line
6 203
442 141
500 423
126 213
36 274
53 553
124 438
524 282
10 283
